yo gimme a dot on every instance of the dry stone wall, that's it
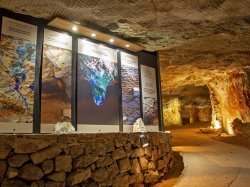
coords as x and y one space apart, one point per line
111 159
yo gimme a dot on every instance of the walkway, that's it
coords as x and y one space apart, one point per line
209 163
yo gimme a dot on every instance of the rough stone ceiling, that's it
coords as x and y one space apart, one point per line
154 24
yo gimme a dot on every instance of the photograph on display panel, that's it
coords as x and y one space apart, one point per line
17 71
98 88
56 77
149 95
130 88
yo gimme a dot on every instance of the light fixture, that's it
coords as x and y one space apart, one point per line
93 34
127 45
111 40
144 140
74 28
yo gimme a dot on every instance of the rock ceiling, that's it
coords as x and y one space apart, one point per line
154 24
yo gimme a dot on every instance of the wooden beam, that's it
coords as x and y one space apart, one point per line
85 31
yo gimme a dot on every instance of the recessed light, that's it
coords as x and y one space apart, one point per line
74 28
127 45
111 40
93 34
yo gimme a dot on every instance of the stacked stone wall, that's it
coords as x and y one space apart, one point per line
110 159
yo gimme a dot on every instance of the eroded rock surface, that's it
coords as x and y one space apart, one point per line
222 63
154 24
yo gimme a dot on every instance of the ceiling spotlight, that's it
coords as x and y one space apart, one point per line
127 45
74 28
111 40
93 35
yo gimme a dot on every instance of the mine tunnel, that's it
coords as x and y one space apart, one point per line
187 105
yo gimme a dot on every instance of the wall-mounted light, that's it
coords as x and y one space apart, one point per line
93 34
111 40
74 28
127 45
144 140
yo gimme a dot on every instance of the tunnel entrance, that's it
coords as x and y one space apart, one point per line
187 105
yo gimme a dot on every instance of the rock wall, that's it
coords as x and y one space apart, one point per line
172 112
116 159
222 63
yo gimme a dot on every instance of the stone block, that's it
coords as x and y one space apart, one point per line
137 153
135 166
67 138
100 149
11 172
13 183
121 180
63 163
151 176
84 161
39 183
4 150
55 184
147 151
45 154
144 163
3 168
110 146
78 176
119 153
113 170
161 164
100 175
57 176
25 145
104 161
76 151
18 160
137 178
30 172
47 166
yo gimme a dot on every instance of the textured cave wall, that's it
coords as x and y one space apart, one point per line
222 63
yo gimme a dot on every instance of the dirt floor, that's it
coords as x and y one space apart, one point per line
194 150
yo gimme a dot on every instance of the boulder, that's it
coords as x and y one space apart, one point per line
63 163
100 175
4 150
124 165
78 176
75 151
104 161
12 172
144 163
13 182
137 178
30 172
137 153
25 145
135 167
18 160
113 170
121 180
151 177
3 168
119 153
84 161
48 166
45 154
57 176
